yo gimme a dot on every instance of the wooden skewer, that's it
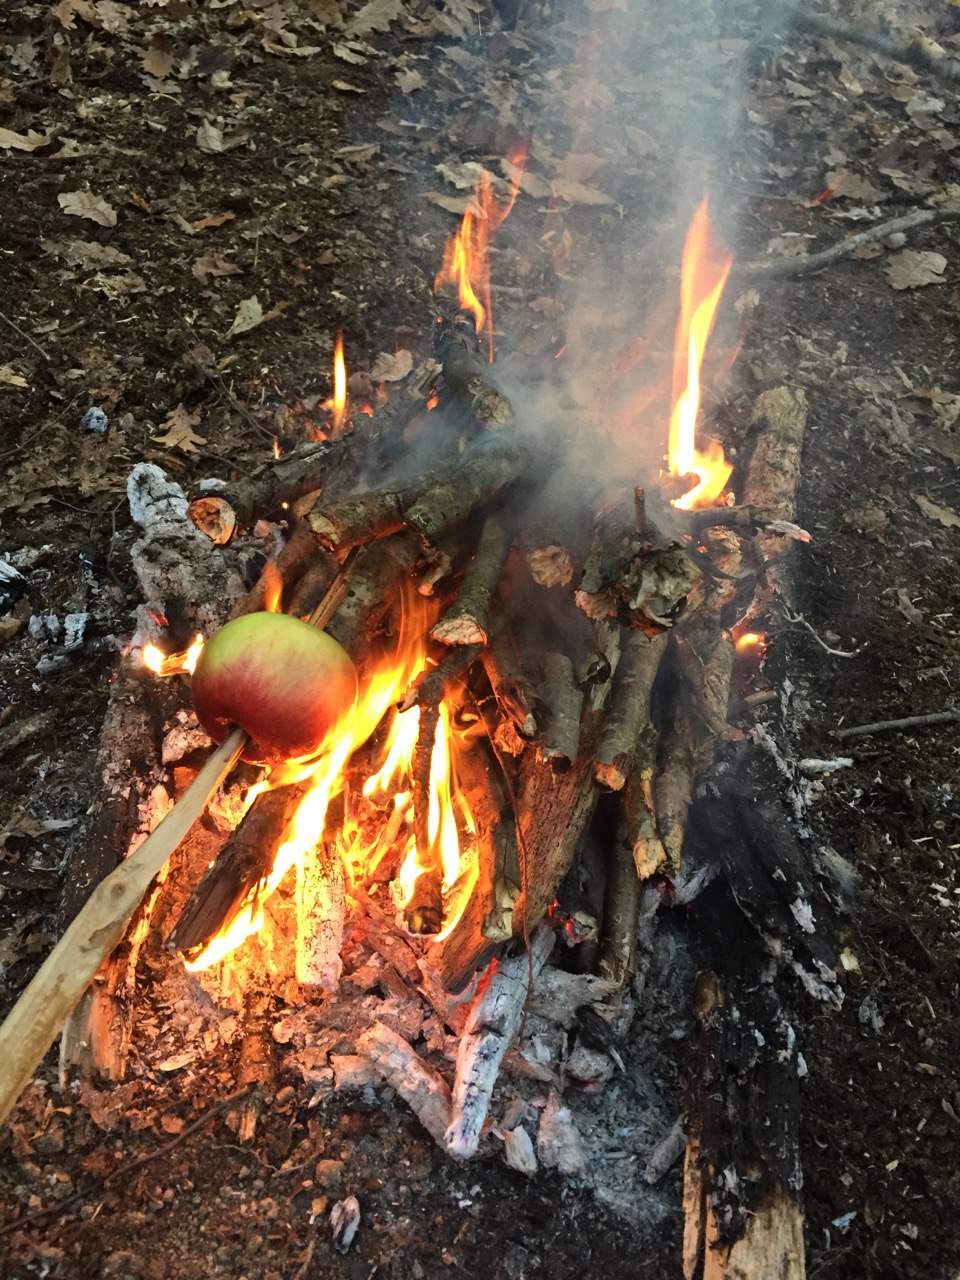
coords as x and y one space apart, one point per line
38 1016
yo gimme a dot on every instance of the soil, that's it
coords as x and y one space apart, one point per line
315 198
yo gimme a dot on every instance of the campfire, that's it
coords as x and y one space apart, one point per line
546 614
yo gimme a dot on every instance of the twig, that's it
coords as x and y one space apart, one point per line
798 620
25 336
905 722
804 265
124 1171
920 53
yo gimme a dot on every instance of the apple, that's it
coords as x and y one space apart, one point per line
290 686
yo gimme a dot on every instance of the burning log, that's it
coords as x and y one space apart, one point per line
283 573
303 471
424 912
466 382
424 1091
498 856
628 577
492 1023
248 854
321 912
467 619
629 712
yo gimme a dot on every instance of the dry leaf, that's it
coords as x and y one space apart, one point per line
527 182
462 176
851 186
84 204
580 166
943 515
410 81
210 138
345 87
67 10
296 50
215 265
349 51
86 253
250 314
578 193
915 267
392 368
157 60
214 220
178 432
24 141
10 378
452 204
376 15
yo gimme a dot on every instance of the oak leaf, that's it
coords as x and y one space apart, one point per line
84 204
178 433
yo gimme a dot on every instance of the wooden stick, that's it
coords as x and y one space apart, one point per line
38 1015
629 708
467 619
905 722
805 264
424 1091
44 1006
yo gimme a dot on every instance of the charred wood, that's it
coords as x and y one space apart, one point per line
424 1091
492 1023
321 913
561 702
467 385
621 912
511 689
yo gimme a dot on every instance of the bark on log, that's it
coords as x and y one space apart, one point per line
498 855
467 386
629 711
621 912
511 689
467 619
561 703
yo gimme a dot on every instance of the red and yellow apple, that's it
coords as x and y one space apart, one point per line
290 686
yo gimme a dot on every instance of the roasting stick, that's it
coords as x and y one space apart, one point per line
43 1008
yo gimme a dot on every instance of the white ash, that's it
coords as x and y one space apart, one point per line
184 736
344 1221
559 1144
45 628
518 1151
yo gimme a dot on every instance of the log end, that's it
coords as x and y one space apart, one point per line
215 518
459 631
610 776
324 530
551 566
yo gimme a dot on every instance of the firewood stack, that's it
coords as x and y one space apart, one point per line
584 638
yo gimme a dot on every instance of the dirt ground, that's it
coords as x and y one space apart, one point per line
171 161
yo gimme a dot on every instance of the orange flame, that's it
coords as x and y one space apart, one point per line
466 255
703 275
173 664
337 404
272 580
390 780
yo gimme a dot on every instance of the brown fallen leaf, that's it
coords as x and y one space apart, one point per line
452 204
912 268
24 141
871 521
214 265
84 204
345 87
409 81
157 59
178 433
392 368
10 378
580 166
210 138
86 253
250 314
376 15
946 516
578 192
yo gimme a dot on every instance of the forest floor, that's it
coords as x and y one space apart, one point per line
165 164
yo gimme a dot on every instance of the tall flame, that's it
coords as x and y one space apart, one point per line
466 255
388 789
338 402
703 275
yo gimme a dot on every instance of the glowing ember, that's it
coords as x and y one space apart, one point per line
466 256
704 273
751 642
173 664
